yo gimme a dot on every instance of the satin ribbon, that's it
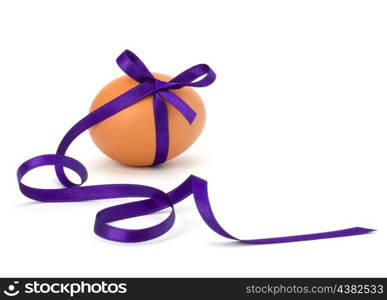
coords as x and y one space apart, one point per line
156 199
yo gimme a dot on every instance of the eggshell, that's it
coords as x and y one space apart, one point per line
129 136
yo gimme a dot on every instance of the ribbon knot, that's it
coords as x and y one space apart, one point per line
161 85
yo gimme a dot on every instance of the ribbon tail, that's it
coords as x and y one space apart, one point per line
198 187
157 200
188 113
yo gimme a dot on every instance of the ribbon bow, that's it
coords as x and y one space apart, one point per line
156 199
135 68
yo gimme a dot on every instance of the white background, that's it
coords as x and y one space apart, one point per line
295 140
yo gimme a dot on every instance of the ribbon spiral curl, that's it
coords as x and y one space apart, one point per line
156 199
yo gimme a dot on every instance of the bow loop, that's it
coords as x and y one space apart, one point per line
134 67
188 77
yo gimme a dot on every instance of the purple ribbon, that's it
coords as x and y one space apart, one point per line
156 199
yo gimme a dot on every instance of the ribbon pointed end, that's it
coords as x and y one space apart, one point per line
191 118
362 230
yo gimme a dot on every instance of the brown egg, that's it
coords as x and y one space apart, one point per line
129 136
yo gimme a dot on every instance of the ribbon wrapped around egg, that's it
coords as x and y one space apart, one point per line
143 119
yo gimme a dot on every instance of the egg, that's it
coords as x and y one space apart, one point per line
129 136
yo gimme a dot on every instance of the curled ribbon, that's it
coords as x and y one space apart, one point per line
156 199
